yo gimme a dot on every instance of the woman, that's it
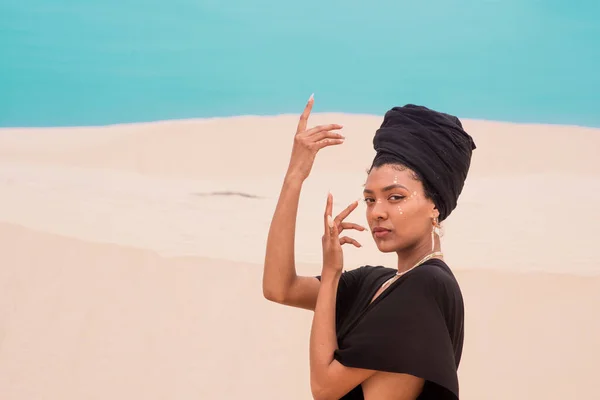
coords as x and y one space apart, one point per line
378 332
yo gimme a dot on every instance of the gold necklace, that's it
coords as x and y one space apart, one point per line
421 261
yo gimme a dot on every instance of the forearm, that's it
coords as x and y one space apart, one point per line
279 267
323 339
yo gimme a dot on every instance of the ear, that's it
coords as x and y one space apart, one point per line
435 213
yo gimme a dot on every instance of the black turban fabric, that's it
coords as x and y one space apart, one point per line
432 144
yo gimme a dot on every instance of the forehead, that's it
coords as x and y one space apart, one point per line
387 175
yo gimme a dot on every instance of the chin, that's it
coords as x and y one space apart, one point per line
387 247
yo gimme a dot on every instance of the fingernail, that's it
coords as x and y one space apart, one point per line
312 97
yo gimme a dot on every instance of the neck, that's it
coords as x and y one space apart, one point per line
408 258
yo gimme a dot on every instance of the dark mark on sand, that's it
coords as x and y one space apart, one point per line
229 193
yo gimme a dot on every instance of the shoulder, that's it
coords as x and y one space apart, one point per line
436 278
364 276
369 271
358 274
434 270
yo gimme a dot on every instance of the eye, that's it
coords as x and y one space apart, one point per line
396 197
368 200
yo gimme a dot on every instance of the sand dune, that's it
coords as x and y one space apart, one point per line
131 259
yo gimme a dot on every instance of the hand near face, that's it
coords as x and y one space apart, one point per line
333 258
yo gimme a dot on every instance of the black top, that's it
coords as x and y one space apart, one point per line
415 326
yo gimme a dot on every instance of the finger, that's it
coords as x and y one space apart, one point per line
321 128
331 225
341 216
346 239
333 229
350 225
327 142
328 209
326 134
305 114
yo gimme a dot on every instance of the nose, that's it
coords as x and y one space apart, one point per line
378 211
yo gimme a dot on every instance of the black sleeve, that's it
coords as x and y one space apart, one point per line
348 288
406 331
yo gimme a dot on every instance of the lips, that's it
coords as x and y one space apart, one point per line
380 229
380 232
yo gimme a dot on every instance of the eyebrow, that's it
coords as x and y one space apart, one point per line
388 188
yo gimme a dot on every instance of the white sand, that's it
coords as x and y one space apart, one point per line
118 278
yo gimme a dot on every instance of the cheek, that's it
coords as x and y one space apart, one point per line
407 216
407 207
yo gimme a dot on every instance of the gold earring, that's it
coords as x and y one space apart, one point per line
433 234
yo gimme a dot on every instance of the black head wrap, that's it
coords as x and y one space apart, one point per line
432 144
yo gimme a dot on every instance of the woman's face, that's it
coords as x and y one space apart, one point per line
399 215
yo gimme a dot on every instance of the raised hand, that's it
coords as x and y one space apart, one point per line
307 142
341 225
333 258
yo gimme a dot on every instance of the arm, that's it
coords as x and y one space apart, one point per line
281 284
329 379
